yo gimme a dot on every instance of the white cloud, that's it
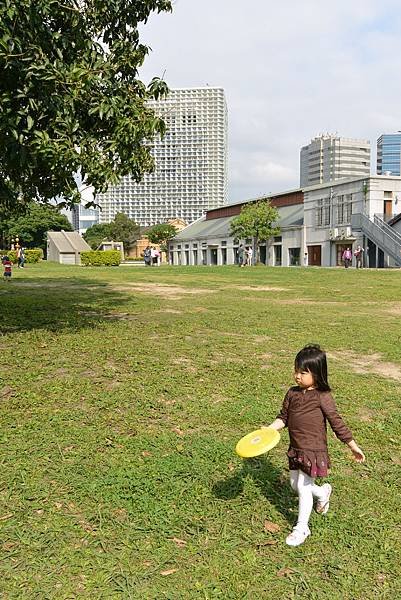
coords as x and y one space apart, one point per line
290 69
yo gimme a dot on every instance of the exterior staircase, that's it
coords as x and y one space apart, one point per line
381 234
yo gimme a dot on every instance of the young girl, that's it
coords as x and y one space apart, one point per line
306 408
7 264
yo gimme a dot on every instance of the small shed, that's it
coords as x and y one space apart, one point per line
65 247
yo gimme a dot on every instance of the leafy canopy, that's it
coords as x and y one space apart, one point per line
161 234
32 227
96 234
121 229
256 220
125 230
71 101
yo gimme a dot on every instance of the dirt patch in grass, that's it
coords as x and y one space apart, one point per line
368 364
185 363
246 337
172 292
394 309
170 311
366 415
259 288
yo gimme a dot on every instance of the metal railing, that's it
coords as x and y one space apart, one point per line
380 233
380 222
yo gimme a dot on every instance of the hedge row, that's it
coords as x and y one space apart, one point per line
101 258
32 255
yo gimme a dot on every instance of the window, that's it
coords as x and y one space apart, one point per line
277 256
294 255
344 209
322 212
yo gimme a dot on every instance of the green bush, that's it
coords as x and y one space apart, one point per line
134 258
32 255
101 258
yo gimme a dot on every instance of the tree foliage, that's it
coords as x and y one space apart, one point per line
71 101
121 229
125 230
31 228
96 234
257 220
161 234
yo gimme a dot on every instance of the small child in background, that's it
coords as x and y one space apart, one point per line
306 408
7 264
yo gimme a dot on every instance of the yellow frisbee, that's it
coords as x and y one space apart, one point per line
258 442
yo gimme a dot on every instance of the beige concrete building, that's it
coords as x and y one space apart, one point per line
65 247
330 157
317 224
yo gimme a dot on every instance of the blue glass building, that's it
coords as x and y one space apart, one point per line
389 154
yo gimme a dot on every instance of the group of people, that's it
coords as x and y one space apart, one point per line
347 257
151 256
245 255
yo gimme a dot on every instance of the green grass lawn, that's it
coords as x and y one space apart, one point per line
123 392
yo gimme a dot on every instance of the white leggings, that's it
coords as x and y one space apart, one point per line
306 489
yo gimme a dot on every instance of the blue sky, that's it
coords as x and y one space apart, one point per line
291 70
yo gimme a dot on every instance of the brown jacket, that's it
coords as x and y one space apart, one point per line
305 413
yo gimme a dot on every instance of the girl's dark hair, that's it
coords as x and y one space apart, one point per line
312 358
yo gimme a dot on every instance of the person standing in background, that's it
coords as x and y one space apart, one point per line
359 256
347 257
241 253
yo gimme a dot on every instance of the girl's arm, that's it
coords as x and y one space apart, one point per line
329 409
281 420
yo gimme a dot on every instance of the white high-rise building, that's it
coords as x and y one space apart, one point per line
329 157
190 175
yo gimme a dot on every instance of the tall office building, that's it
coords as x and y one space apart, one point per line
82 218
330 157
190 173
389 154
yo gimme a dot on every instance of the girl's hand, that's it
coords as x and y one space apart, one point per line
357 452
359 456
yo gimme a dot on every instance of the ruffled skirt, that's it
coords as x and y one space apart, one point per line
313 463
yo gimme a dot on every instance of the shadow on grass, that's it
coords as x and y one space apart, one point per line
271 481
59 304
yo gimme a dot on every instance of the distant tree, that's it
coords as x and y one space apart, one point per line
71 101
256 221
96 234
121 229
32 227
161 234
125 230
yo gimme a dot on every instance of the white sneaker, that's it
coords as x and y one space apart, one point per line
322 506
297 536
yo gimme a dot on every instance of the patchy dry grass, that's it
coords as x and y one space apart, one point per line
123 393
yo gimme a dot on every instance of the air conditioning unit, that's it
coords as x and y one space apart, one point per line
333 233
